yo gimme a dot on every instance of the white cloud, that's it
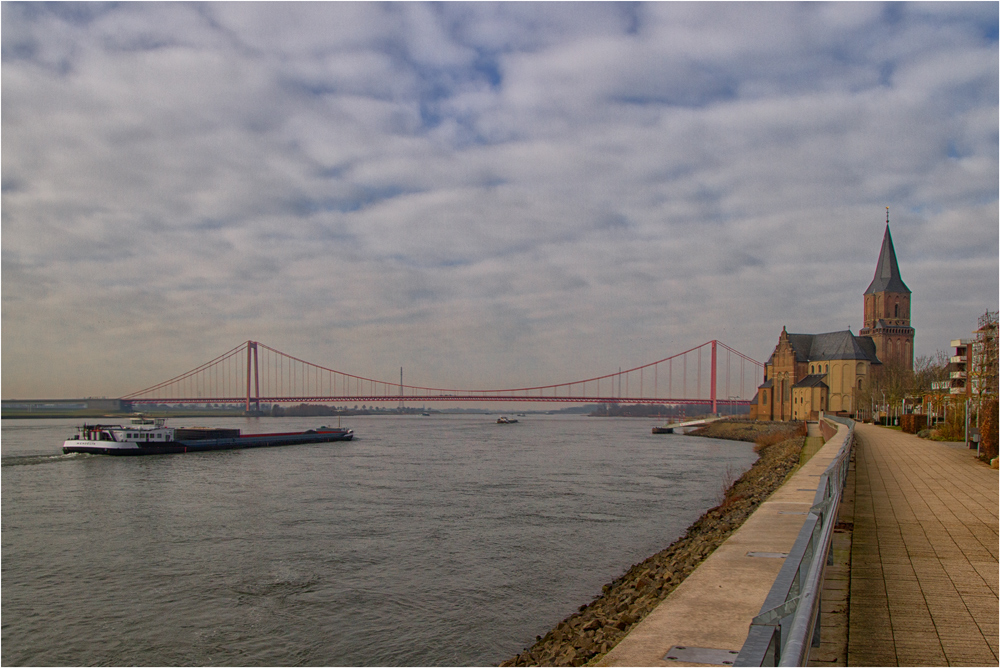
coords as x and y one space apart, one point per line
484 193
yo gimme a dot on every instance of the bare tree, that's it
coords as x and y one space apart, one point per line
928 369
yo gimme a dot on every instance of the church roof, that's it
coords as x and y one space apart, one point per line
887 270
813 380
832 346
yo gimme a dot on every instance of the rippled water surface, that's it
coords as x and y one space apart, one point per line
442 540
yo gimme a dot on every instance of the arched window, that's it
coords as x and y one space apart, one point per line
896 315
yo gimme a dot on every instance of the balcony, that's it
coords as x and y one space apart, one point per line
957 375
958 359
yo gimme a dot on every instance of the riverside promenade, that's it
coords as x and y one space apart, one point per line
924 567
921 565
706 619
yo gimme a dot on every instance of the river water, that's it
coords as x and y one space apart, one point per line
441 540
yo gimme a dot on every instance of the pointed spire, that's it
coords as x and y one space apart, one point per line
887 270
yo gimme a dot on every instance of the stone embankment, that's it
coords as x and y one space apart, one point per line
589 633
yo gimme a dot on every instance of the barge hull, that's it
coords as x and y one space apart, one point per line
206 445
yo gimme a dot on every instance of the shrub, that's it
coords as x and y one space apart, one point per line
769 439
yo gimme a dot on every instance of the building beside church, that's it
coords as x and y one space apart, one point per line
812 373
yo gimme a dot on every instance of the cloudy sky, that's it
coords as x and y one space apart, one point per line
485 194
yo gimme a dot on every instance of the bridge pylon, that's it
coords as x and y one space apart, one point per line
252 348
715 407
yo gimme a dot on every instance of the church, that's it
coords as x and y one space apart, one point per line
812 373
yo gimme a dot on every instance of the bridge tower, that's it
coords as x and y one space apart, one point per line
252 366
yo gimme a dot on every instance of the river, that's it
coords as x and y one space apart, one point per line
441 540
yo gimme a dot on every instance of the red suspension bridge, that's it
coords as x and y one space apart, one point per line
254 373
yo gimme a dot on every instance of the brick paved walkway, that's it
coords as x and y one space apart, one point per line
924 567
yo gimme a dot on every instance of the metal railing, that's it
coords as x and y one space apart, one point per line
789 621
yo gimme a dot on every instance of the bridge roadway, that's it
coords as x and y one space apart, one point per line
923 568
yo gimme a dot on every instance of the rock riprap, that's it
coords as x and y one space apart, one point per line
595 628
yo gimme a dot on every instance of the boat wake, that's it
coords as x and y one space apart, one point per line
31 460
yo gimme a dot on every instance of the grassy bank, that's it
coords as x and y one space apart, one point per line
588 634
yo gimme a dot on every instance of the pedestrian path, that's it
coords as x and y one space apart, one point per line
924 554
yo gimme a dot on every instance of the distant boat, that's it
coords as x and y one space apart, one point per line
681 427
505 420
426 414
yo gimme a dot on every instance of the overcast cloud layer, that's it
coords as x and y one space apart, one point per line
485 194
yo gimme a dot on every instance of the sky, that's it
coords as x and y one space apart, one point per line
488 195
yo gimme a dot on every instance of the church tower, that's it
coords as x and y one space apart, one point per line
887 309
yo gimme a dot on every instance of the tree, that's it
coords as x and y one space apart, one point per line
894 381
888 386
928 369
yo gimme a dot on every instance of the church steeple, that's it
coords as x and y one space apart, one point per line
887 308
887 270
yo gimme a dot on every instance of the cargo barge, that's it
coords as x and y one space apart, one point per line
146 436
